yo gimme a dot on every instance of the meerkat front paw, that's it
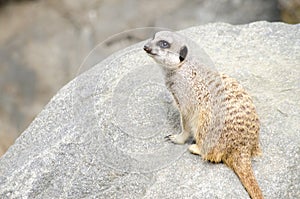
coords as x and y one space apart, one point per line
178 138
175 139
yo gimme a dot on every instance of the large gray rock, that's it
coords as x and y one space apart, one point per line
101 136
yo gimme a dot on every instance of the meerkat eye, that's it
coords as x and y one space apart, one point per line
163 44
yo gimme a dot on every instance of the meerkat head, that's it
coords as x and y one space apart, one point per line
167 49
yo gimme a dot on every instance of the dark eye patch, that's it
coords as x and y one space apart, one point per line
163 44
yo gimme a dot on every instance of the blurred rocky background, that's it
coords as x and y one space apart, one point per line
44 42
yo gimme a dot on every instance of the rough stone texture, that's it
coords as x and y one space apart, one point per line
101 136
43 42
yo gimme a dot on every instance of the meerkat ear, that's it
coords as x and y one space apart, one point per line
183 53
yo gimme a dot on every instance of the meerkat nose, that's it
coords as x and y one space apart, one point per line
147 48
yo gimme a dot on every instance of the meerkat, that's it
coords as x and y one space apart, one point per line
214 108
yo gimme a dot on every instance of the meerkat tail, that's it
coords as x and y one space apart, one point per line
242 167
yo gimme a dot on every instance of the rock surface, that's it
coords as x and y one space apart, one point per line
43 42
101 136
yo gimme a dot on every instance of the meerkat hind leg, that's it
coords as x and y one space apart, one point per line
194 149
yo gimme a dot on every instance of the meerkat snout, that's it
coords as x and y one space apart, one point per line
147 48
